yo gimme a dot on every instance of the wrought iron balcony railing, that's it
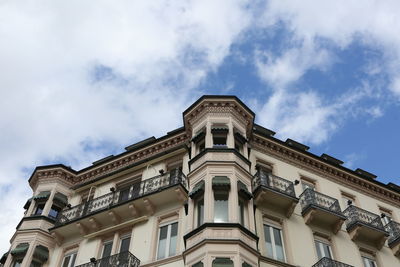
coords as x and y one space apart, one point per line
356 215
327 262
109 200
123 259
393 228
311 198
273 182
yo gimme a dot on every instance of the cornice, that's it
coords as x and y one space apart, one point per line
131 158
323 169
118 163
218 106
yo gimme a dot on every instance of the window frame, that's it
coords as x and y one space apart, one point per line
220 192
168 240
69 254
322 251
308 183
273 243
347 197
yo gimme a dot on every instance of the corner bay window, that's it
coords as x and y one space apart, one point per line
39 209
219 134
167 240
53 213
274 242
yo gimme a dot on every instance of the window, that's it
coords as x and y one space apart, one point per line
124 194
386 216
242 205
200 211
69 260
107 247
125 242
54 211
220 134
347 200
17 263
368 262
305 184
39 209
167 240
35 264
273 242
323 249
221 207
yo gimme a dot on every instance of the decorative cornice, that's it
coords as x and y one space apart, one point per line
321 168
218 105
119 162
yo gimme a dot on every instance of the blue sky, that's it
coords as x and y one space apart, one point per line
82 81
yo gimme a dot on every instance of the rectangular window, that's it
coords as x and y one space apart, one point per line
200 211
167 240
35 264
386 216
54 211
221 208
124 194
305 184
17 263
368 262
274 242
241 210
69 260
219 140
323 249
39 209
125 242
107 247
347 200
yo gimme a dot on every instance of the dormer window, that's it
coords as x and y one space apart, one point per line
220 134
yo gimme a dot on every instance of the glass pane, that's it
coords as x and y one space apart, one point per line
17 264
221 207
241 212
66 261
200 212
327 251
107 249
268 242
318 248
125 244
73 258
39 209
172 242
124 194
162 242
54 211
278 244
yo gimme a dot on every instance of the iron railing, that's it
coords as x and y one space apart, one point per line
356 215
393 228
123 259
273 182
109 200
311 198
327 262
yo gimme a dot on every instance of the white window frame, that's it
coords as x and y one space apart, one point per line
127 235
321 250
68 254
107 241
271 227
197 217
308 184
168 241
367 261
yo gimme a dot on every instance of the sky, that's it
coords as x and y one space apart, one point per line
81 80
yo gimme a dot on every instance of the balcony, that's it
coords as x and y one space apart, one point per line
123 259
274 192
393 228
327 262
321 210
119 206
366 227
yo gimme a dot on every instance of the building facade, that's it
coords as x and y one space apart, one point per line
221 191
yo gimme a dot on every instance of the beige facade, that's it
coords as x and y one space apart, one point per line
220 191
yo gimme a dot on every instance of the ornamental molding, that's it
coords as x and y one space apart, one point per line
322 169
218 107
110 167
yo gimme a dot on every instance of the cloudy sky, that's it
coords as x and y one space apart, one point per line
81 80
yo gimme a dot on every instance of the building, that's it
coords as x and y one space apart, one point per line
220 191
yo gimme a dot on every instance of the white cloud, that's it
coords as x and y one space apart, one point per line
78 75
